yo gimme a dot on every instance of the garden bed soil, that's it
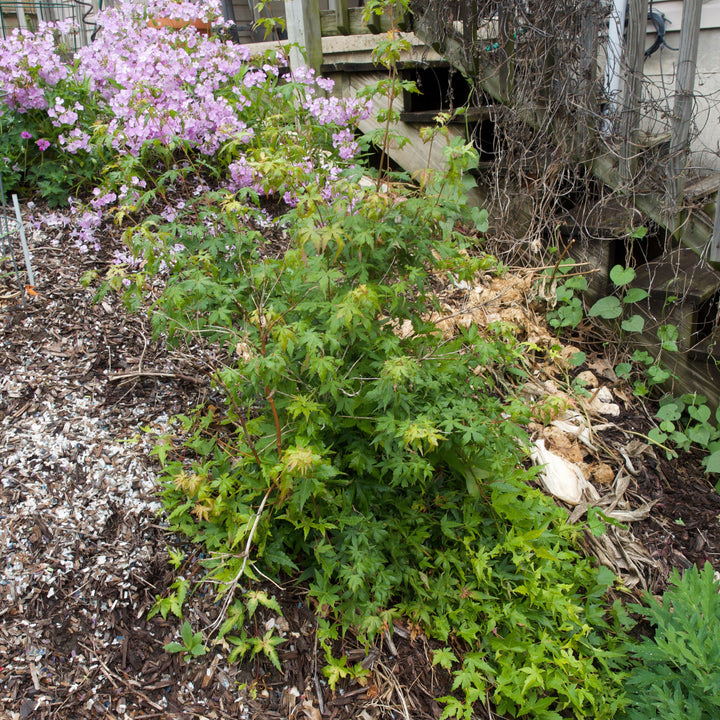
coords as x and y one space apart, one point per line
84 390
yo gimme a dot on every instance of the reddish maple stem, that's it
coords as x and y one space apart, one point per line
278 432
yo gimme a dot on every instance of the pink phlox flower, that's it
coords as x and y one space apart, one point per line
169 214
100 201
303 75
78 140
326 84
241 175
69 117
345 143
254 78
43 144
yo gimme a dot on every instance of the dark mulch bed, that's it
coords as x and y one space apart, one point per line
86 554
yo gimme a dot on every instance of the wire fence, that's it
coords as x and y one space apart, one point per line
27 14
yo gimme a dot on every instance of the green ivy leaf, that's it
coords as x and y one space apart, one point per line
480 218
701 413
712 462
657 436
634 295
623 370
670 411
608 307
577 283
633 324
699 434
622 276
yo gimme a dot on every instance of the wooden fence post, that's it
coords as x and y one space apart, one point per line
589 29
303 28
342 16
682 109
635 57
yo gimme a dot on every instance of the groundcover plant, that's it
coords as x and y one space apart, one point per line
356 449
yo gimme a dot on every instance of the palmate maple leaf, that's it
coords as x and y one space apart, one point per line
203 510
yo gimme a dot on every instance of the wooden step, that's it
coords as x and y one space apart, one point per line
702 188
682 288
680 274
708 348
427 117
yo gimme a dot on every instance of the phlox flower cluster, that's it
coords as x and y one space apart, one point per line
328 110
242 175
345 143
155 84
137 84
30 63
163 85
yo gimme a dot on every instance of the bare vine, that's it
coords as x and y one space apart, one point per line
542 64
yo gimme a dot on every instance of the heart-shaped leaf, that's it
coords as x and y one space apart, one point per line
634 295
671 411
699 434
622 276
657 436
633 324
701 413
607 307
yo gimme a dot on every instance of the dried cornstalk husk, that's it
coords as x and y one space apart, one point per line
560 477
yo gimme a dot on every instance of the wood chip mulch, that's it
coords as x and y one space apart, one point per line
84 392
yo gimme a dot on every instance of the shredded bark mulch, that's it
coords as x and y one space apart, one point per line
84 393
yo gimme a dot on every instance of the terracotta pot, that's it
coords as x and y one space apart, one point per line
202 26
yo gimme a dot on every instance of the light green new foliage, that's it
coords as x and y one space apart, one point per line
359 450
385 468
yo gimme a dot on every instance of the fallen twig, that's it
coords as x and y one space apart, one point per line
125 376
230 592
